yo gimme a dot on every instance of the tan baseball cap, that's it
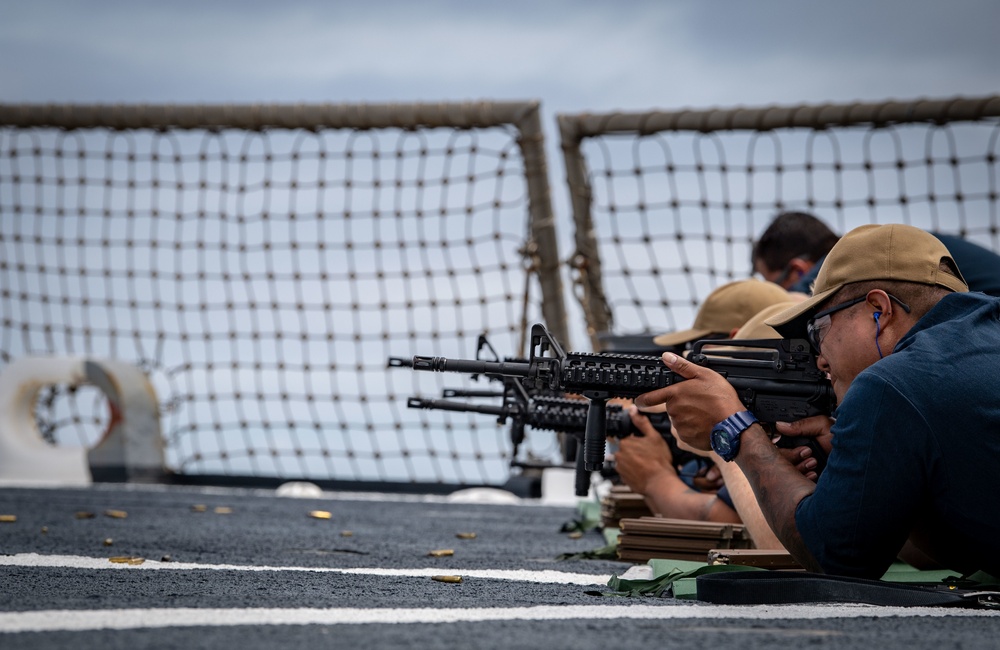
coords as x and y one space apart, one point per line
892 252
727 308
757 328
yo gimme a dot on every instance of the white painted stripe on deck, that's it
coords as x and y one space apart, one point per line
128 619
80 562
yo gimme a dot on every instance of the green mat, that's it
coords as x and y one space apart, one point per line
677 578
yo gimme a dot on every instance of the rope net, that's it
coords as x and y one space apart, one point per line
675 209
262 273
263 278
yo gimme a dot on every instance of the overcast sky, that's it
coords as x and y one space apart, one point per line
574 55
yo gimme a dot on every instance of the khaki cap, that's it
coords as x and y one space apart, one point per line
727 308
756 328
893 252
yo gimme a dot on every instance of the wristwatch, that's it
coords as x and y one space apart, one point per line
726 434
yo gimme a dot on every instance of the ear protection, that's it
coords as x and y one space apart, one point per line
877 346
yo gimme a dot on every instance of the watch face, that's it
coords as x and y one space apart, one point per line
720 442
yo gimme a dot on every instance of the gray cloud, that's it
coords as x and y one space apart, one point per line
571 55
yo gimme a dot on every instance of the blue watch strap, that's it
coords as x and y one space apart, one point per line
739 422
725 437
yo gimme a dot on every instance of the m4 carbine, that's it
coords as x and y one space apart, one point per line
560 414
776 379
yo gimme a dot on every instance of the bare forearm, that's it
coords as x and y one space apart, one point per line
746 505
779 488
669 496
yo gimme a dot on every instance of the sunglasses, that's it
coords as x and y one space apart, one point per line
820 322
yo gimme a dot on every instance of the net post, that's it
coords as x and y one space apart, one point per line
586 259
542 222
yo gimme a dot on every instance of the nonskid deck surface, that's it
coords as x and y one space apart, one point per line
121 566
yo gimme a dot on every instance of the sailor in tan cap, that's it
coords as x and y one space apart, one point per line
914 359
646 466
644 462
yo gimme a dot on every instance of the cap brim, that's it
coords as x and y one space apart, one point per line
791 323
680 338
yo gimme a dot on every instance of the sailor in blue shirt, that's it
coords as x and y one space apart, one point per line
916 450
914 360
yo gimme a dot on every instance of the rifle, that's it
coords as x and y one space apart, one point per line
549 414
776 379
560 414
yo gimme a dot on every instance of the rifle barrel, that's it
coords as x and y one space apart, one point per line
474 392
460 407
472 366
